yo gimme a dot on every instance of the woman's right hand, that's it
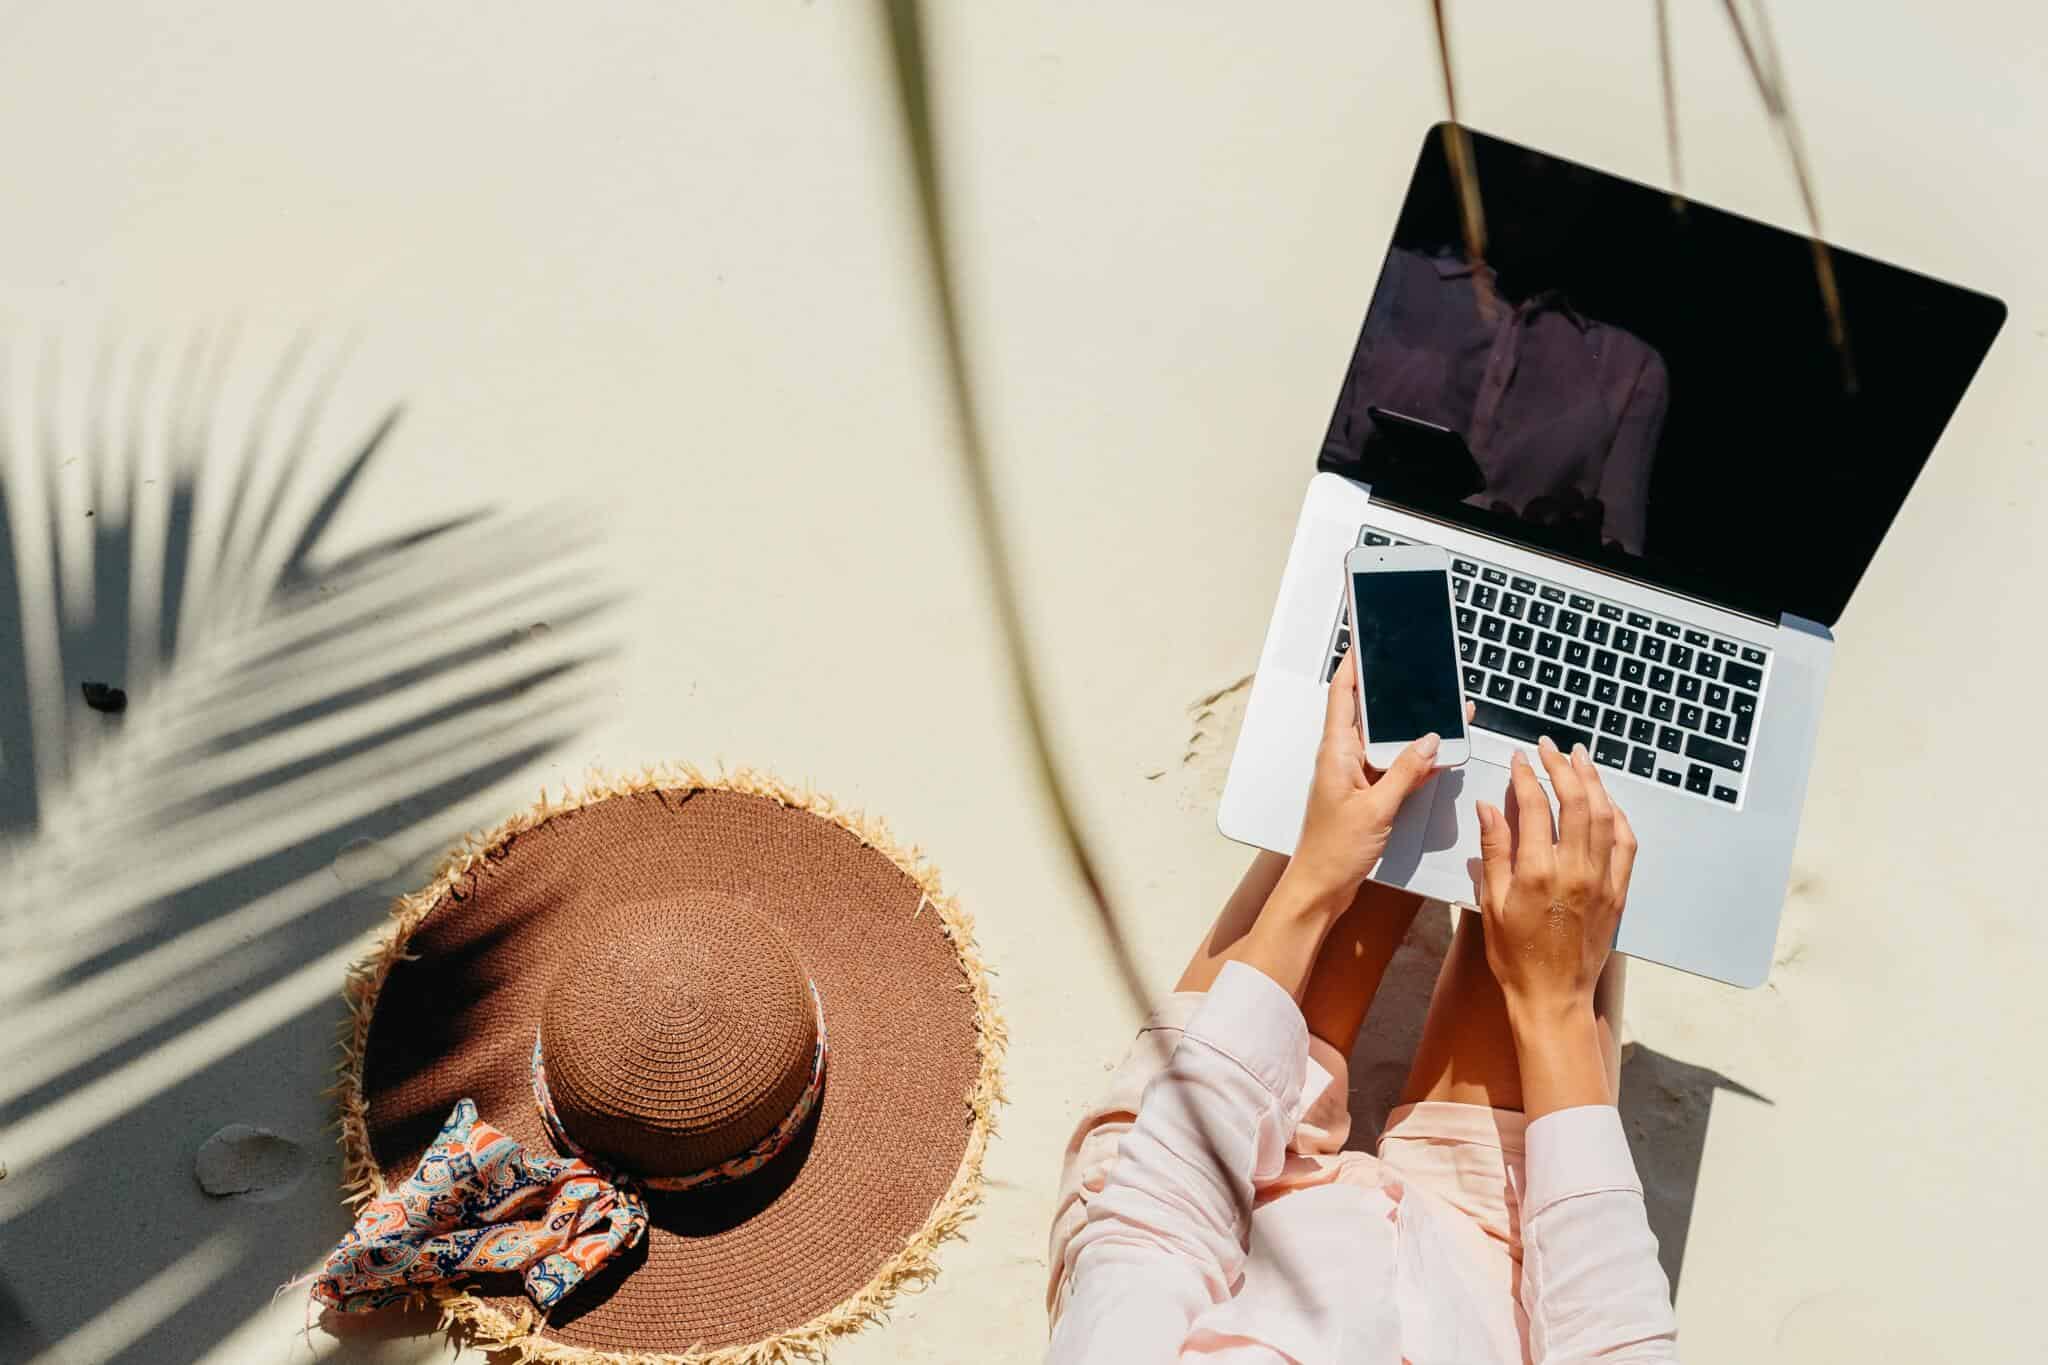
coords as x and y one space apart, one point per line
1551 894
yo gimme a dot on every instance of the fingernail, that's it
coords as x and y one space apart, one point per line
1579 754
1545 745
1426 746
1520 760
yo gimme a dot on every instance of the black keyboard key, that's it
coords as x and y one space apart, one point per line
1529 696
1633 669
1611 752
1331 666
1752 655
1521 665
1689 687
1499 688
1720 755
1669 777
1696 638
1670 739
1578 652
1708 667
1584 713
1492 628
1681 658
1610 612
1742 727
1578 682
1549 646
1717 724
1634 699
1638 620
1596 631
1467 647
1606 662
1460 588
1484 597
1643 762
1652 649
1642 731
1717 696
1474 680
1568 623
1520 637
1661 679
1699 779
1465 568
1550 594
1580 602
1743 705
1690 717
1625 639
1493 657
1512 606
1494 576
1743 676
1725 794
1613 723
1468 619
1557 706
1523 585
1662 707
1724 646
1668 629
1375 538
1541 614
1605 690
1550 674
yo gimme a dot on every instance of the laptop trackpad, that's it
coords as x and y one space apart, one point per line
1450 840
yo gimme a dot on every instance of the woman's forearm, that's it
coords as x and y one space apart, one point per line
1284 940
1558 1052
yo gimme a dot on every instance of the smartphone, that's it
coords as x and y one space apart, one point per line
1409 679
1407 452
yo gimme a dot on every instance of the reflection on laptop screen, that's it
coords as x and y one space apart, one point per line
1648 386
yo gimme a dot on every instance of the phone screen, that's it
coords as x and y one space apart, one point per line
1406 658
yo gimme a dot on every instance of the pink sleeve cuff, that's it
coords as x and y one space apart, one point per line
1571 1152
1247 1017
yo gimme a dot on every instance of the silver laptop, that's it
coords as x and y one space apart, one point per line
1659 475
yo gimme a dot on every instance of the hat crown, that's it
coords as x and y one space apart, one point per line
679 1037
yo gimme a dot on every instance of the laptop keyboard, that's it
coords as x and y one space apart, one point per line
1657 699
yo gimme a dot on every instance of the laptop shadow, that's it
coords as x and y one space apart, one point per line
1666 1102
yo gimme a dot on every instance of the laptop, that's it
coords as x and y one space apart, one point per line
1659 475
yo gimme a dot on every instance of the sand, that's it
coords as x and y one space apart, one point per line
635 292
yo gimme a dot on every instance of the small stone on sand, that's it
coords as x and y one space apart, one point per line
249 1163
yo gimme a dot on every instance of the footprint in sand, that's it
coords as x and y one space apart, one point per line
1213 723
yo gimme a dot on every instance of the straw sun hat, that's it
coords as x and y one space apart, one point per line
728 1054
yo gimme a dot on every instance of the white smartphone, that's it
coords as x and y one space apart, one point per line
1409 680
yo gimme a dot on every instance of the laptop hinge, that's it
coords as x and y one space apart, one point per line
1806 627
1755 613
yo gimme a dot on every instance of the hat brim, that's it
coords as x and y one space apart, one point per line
817 1244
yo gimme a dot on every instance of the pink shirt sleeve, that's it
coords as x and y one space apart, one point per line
1591 1284
1165 1237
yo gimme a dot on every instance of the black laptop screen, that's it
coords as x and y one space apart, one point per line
1649 387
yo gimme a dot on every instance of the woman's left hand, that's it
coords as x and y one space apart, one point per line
1351 808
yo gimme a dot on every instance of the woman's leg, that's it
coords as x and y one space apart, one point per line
1348 968
1467 1053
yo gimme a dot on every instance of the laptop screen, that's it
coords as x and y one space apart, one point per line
1648 386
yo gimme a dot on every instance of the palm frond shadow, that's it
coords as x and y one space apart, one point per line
181 883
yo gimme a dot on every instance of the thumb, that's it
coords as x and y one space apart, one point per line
1496 855
1406 773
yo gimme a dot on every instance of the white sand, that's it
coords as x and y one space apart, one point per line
661 269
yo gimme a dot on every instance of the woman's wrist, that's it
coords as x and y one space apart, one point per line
1301 892
1557 1051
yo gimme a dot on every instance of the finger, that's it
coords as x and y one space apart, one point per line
1571 799
1532 816
1340 711
1413 768
1496 855
1622 864
1599 809
1470 711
